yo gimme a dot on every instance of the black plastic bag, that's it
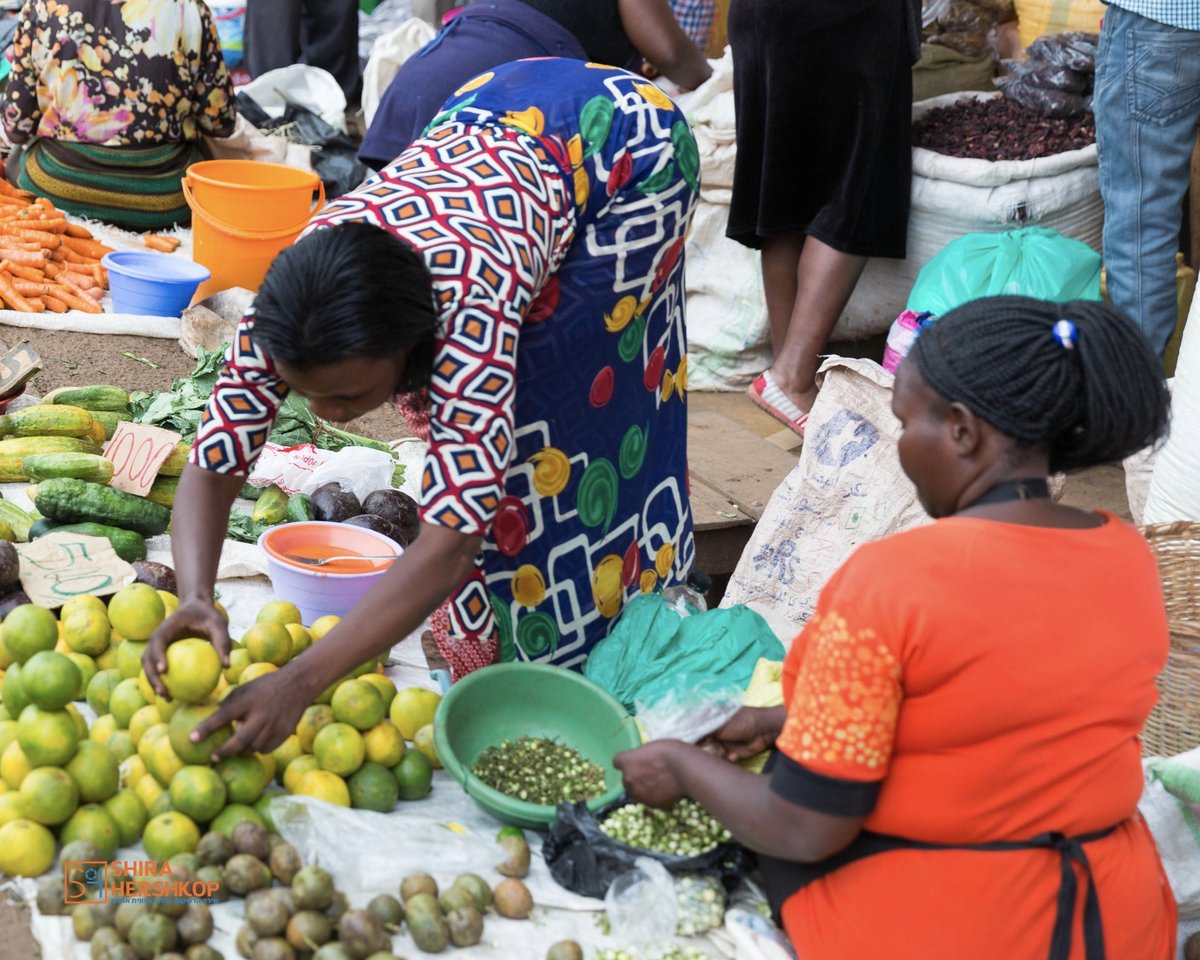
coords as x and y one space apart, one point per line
1075 51
1048 76
1048 103
335 157
584 860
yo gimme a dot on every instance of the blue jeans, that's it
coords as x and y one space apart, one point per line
1147 105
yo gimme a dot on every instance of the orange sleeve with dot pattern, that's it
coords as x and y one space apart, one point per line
842 710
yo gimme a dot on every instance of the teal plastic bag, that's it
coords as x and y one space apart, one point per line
651 645
1032 262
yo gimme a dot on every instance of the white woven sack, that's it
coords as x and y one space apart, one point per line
1170 803
953 196
848 488
728 334
1175 485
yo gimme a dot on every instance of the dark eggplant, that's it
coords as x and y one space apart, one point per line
372 521
330 502
400 509
158 575
10 566
10 601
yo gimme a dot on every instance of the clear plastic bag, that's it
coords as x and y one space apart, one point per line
700 900
690 709
641 905
359 470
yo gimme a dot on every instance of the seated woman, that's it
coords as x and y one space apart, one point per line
110 101
958 766
491 32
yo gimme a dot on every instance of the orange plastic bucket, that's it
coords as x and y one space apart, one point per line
243 213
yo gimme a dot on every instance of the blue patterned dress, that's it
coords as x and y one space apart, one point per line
550 200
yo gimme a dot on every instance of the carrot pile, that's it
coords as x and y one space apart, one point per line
47 263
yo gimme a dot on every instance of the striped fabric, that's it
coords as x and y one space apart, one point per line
1184 14
137 188
696 18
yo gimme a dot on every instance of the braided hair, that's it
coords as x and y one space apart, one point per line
1091 390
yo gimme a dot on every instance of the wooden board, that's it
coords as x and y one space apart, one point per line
740 465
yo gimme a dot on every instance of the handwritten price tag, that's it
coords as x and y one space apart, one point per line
136 452
59 566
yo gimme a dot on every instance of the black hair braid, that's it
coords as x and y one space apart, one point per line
1098 401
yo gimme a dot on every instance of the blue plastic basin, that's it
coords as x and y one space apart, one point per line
152 284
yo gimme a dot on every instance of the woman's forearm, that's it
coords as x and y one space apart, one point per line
758 817
198 524
429 571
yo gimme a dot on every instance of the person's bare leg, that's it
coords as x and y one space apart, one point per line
780 270
825 279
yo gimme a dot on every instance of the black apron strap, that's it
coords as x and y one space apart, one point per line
783 878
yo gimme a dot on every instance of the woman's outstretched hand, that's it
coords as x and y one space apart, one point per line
194 618
264 713
748 732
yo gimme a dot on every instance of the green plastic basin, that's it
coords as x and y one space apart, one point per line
510 700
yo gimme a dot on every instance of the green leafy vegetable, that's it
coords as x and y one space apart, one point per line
181 408
243 528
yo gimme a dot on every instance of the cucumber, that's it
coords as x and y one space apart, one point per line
99 397
108 420
39 528
174 464
128 544
162 491
47 421
271 506
77 501
81 466
299 507
18 519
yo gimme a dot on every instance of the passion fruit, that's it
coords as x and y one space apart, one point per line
313 889
285 862
512 899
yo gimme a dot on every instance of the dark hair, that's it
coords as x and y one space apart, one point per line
1091 392
351 290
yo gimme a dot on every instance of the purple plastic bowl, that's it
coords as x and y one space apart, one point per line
315 592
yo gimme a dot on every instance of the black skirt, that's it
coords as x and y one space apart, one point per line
823 90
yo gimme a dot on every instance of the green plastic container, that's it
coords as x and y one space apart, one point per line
512 700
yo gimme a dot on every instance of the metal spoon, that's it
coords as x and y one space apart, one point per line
321 561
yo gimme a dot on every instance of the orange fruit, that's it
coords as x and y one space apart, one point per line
169 834
136 611
339 748
413 708
50 680
358 704
193 669
268 642
324 785
26 848
48 796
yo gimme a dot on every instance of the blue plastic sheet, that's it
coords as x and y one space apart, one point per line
651 645
1032 262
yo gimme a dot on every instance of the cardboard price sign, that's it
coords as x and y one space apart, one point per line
62 565
17 366
137 451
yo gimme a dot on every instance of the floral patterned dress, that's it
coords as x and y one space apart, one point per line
112 97
550 200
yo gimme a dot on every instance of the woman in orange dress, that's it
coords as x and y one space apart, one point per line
957 767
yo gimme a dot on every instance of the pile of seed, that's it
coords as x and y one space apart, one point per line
683 830
998 129
539 771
